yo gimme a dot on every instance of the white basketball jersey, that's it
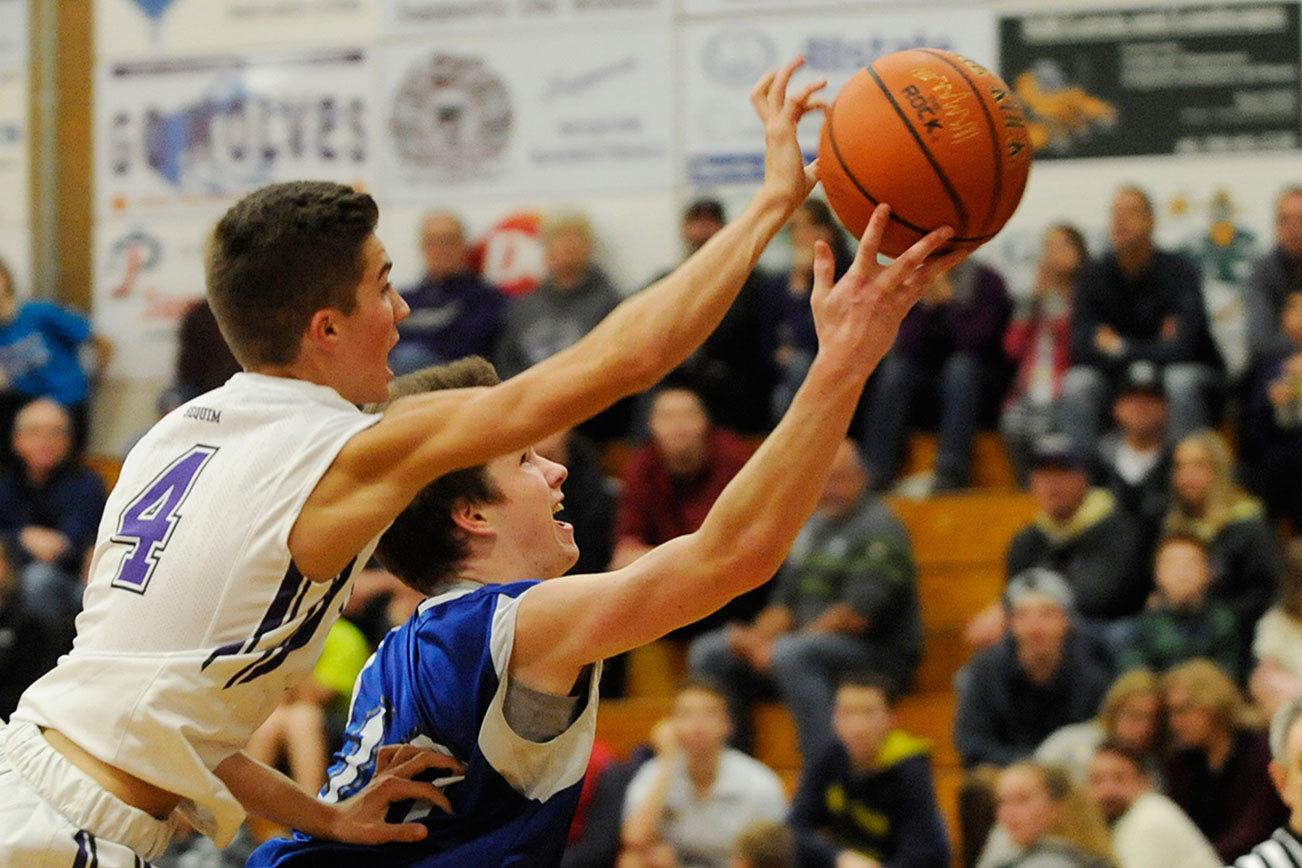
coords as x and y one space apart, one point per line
196 620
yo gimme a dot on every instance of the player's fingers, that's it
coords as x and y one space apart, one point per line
759 94
427 760
824 268
916 255
399 833
871 241
391 753
811 173
778 87
801 99
401 790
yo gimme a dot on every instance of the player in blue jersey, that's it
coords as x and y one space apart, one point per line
499 668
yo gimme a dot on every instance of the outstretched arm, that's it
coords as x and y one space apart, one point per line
568 622
423 437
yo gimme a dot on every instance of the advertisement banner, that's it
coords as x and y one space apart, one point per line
14 158
406 18
727 7
199 131
16 253
147 274
723 137
1197 79
14 35
167 28
528 114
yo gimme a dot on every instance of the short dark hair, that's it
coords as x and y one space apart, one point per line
424 547
865 680
278 256
1125 751
705 209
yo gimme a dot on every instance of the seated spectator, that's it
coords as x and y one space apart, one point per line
688 805
871 794
50 508
1041 678
1148 829
1272 424
1038 341
589 499
454 312
1246 560
1181 623
766 845
1079 533
26 649
1131 716
1049 820
307 727
1134 461
845 600
1278 644
1283 849
797 342
1274 276
1218 772
40 343
951 345
204 360
1135 303
734 368
596 819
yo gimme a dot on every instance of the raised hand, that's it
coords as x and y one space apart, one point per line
361 819
786 177
858 317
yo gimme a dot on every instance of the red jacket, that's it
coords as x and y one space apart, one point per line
1020 341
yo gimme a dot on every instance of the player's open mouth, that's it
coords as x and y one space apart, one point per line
556 509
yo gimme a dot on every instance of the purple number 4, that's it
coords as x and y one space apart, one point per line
148 521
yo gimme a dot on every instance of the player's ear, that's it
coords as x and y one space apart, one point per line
471 519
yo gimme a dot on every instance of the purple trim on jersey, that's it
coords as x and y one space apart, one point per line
87 855
293 587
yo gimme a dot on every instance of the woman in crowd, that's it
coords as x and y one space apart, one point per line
1131 715
1278 644
1049 819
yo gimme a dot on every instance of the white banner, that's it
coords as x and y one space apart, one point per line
722 61
167 28
14 35
569 112
202 131
716 7
405 18
14 160
147 274
16 252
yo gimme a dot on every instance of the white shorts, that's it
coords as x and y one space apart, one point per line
52 815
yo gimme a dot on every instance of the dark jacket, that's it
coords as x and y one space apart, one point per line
889 814
1097 552
1273 277
589 506
1146 501
1166 636
1246 559
1003 716
458 316
71 502
972 321
27 651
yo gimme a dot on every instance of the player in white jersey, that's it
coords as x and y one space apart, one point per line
229 544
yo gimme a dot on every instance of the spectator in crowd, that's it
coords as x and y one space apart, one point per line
870 794
1041 678
593 841
734 369
765 845
1272 423
1134 461
1050 821
308 725
670 483
1218 771
1246 560
573 297
1181 623
1278 644
1080 533
1148 829
1039 342
589 498
1274 277
454 312
203 359
687 806
40 345
845 600
950 344
1131 716
50 507
796 341
1283 849
1138 302
26 649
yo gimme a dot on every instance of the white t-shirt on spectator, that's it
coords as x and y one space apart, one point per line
702 831
1156 832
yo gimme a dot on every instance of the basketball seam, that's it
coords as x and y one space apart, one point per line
954 197
849 173
996 147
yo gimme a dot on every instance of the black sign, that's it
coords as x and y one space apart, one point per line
1192 79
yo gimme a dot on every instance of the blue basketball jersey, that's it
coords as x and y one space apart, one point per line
439 681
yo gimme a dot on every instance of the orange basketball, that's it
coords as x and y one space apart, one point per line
938 137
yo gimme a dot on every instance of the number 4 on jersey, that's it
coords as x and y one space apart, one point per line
149 520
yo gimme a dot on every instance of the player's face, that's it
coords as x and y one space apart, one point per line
368 334
524 521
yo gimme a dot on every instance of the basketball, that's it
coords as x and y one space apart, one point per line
938 137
